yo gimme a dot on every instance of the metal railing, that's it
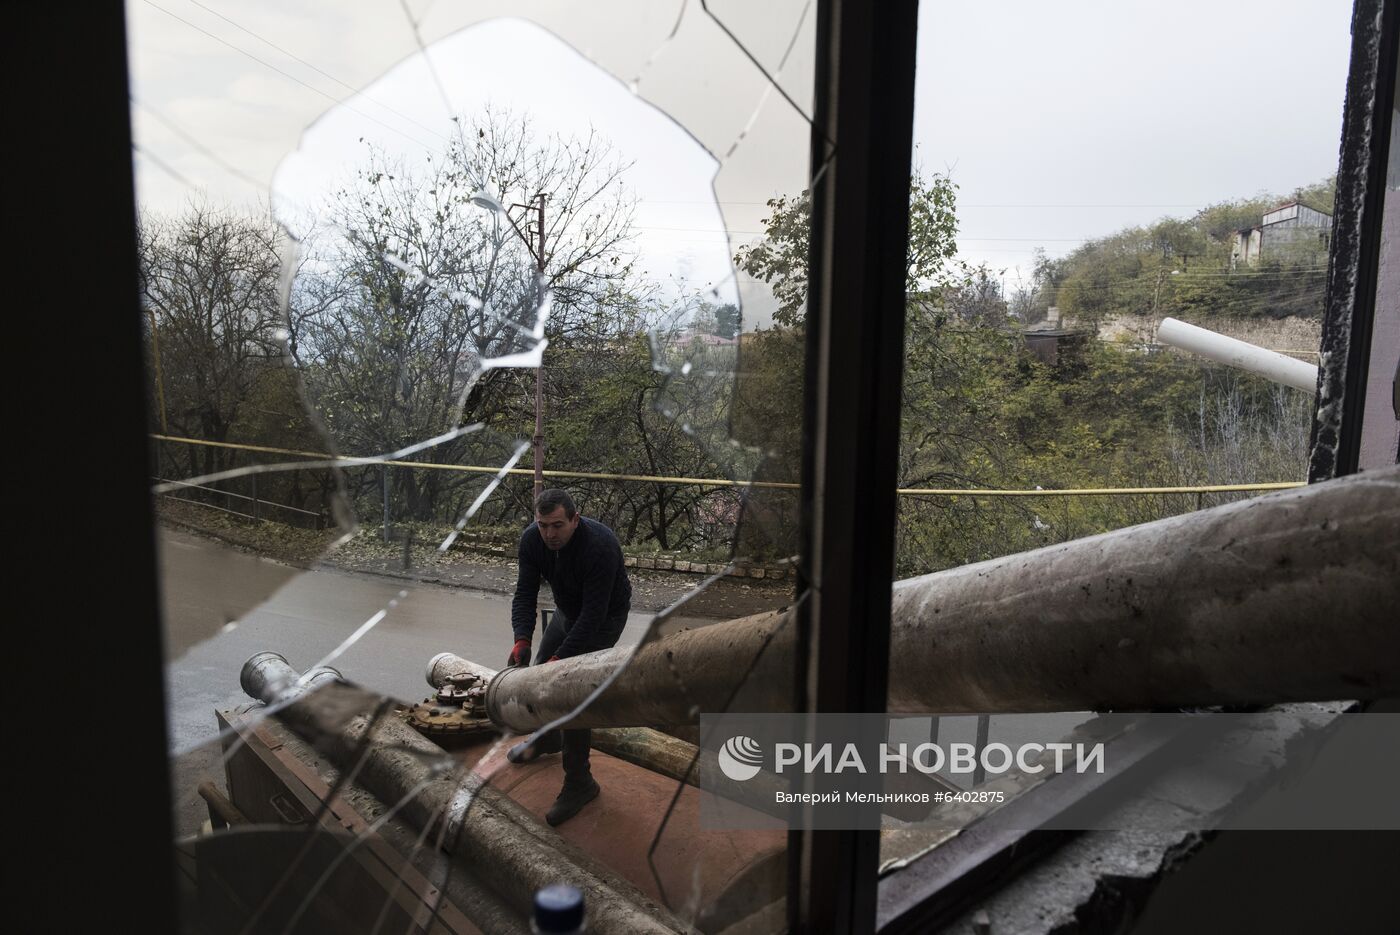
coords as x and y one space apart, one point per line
256 502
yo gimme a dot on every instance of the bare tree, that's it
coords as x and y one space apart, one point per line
1242 431
417 289
210 277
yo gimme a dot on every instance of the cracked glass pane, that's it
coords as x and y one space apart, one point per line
1115 297
377 246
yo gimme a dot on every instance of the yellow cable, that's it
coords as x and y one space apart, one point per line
768 485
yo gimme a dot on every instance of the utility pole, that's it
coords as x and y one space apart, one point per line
539 371
160 386
155 361
486 198
1156 296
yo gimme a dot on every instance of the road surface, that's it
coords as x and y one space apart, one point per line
221 605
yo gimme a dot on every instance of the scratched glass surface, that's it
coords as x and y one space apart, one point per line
348 305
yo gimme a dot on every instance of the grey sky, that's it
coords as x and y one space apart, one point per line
1156 108
1058 121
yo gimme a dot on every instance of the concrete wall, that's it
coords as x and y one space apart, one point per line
1244 250
1294 243
1277 334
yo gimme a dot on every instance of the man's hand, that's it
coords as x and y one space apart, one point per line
552 659
519 653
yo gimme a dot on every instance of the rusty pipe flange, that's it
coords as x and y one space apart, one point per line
445 668
440 721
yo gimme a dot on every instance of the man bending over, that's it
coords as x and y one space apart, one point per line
582 561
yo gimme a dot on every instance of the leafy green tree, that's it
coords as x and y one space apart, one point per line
768 400
780 259
727 321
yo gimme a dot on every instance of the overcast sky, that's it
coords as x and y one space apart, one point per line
1058 121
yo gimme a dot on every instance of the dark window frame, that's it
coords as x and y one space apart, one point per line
1354 254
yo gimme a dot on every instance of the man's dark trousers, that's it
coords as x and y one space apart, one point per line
578 742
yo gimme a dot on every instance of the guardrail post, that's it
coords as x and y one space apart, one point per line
384 480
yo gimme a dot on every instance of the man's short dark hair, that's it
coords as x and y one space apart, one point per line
550 500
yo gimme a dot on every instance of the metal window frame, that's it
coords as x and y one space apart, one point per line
862 145
1354 259
99 806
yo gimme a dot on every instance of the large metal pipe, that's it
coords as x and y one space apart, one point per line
682 760
481 904
1236 353
659 752
269 675
1285 597
668 681
497 840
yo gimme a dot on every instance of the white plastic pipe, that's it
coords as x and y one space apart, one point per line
1235 353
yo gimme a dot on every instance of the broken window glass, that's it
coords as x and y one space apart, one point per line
386 258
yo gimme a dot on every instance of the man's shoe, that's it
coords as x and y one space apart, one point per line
524 752
574 797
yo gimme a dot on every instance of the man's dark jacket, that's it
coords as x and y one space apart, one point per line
587 577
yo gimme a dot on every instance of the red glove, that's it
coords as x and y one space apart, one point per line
552 659
519 654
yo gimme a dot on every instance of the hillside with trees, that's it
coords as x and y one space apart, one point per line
981 412
1184 268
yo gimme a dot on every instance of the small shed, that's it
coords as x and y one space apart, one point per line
1290 232
1057 346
